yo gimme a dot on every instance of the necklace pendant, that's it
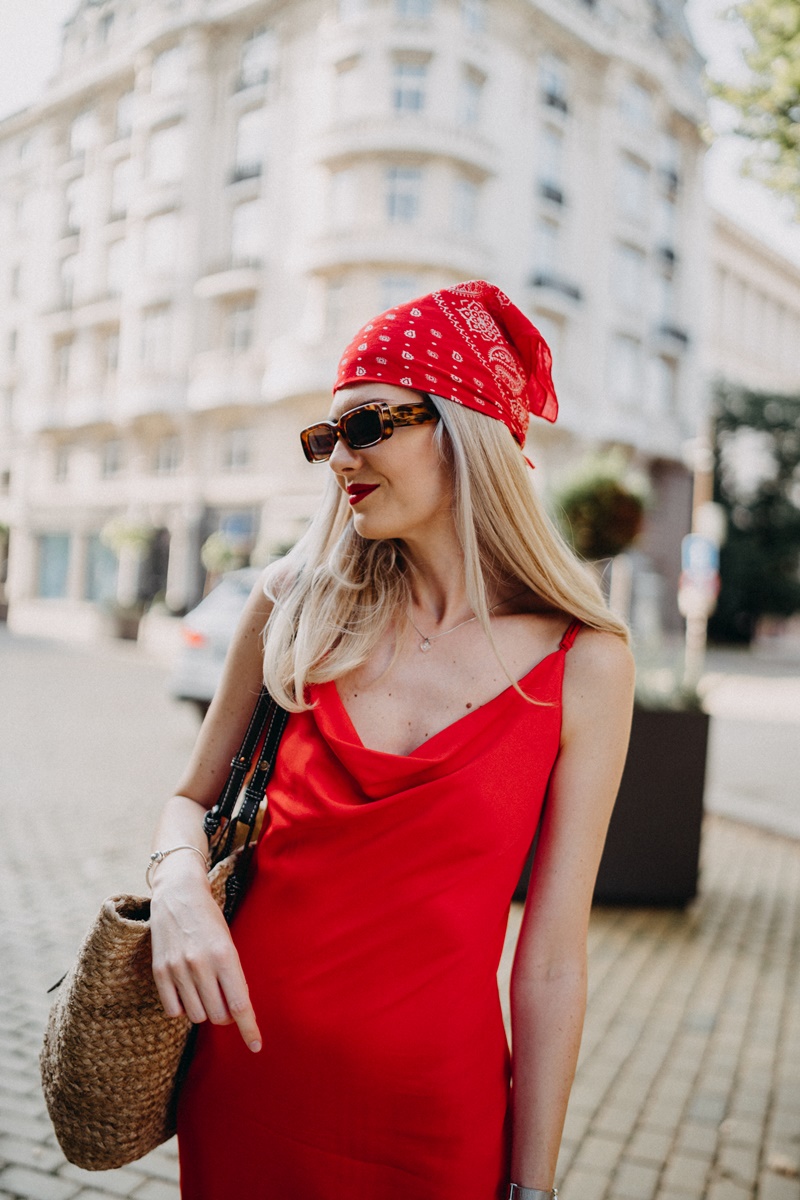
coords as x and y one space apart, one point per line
425 645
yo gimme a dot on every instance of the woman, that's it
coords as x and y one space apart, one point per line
448 665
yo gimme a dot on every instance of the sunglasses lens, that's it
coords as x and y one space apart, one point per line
319 442
363 427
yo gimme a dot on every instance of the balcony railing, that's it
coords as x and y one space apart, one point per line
556 283
244 170
675 333
551 192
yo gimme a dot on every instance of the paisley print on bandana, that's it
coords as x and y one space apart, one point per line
506 371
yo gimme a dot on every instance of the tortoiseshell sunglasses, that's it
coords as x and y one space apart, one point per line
362 427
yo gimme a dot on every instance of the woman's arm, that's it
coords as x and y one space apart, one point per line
548 982
195 964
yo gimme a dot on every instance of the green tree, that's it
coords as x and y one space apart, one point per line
768 105
757 481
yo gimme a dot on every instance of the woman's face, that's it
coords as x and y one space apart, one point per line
400 488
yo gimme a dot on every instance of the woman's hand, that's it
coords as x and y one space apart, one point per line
195 963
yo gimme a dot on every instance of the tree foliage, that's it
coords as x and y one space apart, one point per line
768 105
757 481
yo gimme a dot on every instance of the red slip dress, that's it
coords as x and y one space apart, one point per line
370 938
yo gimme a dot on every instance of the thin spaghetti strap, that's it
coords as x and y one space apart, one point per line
570 633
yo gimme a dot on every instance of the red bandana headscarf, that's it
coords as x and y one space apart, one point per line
467 343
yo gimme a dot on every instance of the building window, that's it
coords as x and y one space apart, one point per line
636 106
109 352
73 207
61 464
121 180
11 346
239 320
100 584
117 267
82 133
156 339
633 187
334 305
249 152
169 71
625 382
257 58
552 330
168 455
403 193
469 96
629 269
15 275
53 565
111 459
351 10
553 82
66 280
665 298
161 243
62 356
397 289
247 234
662 392
551 164
236 449
104 28
465 206
473 15
408 86
547 251
123 120
166 154
413 9
666 219
343 199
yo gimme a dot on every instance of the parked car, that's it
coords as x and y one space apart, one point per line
207 632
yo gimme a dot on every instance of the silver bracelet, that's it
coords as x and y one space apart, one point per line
159 855
515 1192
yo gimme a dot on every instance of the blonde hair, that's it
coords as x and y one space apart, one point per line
336 595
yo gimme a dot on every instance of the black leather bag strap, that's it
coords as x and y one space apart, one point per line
224 822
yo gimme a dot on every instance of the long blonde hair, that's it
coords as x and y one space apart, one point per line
336 594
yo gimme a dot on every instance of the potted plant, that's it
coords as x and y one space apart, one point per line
130 540
651 855
652 850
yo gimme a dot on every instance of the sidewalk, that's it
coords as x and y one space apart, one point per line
688 1086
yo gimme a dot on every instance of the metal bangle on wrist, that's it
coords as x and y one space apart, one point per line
515 1192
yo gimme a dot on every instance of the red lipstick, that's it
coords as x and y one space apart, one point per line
357 491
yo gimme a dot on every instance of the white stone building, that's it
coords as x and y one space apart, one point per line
754 331
211 196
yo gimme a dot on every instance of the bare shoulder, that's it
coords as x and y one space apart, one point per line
599 679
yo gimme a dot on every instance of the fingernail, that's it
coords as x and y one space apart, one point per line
254 1046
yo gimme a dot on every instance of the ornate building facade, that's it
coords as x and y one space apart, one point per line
211 195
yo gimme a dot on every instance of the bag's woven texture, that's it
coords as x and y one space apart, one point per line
111 1055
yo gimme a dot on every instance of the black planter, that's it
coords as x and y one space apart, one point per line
652 851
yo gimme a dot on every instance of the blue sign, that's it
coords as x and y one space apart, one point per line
699 557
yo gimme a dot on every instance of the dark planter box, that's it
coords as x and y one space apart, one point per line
652 851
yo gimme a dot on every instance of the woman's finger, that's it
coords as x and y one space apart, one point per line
237 1000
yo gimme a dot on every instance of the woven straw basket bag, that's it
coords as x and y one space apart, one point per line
112 1061
111 1056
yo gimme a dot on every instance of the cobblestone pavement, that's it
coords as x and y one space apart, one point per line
688 1085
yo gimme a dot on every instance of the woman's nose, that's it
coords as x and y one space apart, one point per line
343 458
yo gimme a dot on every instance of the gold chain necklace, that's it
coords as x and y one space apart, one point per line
425 644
